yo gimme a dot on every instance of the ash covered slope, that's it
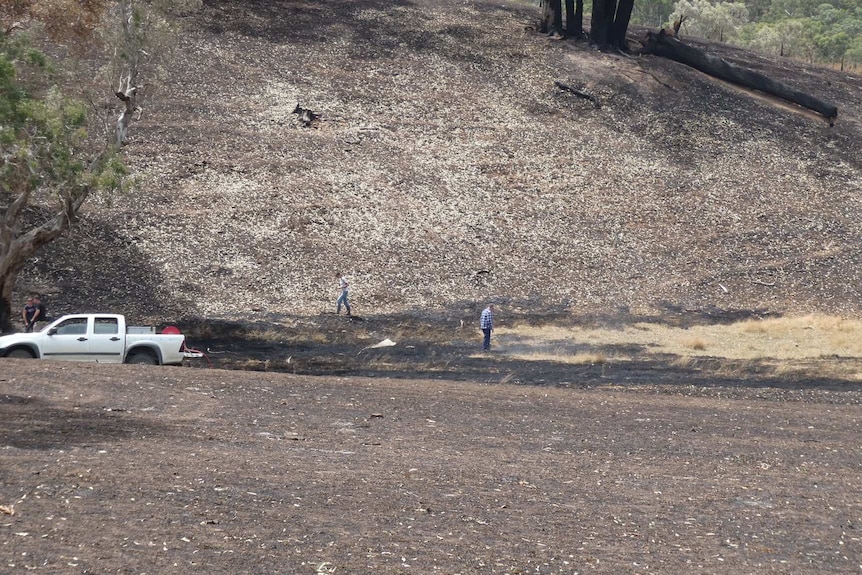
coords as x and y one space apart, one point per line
446 167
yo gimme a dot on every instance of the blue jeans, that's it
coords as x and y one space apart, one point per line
342 299
486 344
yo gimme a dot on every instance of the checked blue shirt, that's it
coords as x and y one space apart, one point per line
487 319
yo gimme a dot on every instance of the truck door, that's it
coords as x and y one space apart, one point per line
107 344
67 340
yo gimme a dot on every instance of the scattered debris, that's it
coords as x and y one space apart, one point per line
306 116
385 343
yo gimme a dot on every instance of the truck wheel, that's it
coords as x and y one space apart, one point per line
143 358
21 354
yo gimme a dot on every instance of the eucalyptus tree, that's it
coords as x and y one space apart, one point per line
55 150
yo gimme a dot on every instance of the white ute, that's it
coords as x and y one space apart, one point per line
99 337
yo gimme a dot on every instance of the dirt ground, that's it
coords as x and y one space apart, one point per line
304 453
134 469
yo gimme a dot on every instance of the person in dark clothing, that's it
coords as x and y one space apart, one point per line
28 314
41 312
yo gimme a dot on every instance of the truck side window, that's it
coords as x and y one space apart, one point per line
106 326
73 326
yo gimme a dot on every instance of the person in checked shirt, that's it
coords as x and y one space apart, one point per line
486 322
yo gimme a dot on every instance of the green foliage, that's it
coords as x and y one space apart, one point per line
113 174
719 21
46 149
785 38
854 52
826 31
653 13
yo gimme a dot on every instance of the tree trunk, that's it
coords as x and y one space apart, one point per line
127 91
547 17
574 18
9 268
6 286
665 46
557 7
621 24
16 247
14 256
602 22
579 18
124 119
552 17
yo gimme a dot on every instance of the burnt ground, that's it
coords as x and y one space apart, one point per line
446 346
513 468
445 168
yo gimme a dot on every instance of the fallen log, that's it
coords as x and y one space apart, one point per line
662 44
578 92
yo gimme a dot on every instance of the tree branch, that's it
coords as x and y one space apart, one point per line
579 93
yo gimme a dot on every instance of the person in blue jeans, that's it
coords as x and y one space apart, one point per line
342 298
486 322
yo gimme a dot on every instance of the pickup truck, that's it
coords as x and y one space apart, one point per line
98 337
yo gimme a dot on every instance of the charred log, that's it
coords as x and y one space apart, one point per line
661 44
578 92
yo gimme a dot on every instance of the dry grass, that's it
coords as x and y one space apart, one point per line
781 346
792 338
561 356
292 337
697 344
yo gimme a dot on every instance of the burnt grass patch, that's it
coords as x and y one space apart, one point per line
448 347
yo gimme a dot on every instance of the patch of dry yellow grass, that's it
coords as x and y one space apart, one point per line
779 339
562 357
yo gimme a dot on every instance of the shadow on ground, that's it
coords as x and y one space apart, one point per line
30 423
97 268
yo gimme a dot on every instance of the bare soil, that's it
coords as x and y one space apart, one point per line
446 170
132 469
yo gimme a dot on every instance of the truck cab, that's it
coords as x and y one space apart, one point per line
86 337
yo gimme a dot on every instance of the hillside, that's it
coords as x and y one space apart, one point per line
446 169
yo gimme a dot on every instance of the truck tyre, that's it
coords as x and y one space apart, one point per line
142 358
21 353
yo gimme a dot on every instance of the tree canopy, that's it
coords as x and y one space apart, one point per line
823 31
55 149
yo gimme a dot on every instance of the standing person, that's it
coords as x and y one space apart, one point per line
29 314
41 312
486 322
344 287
